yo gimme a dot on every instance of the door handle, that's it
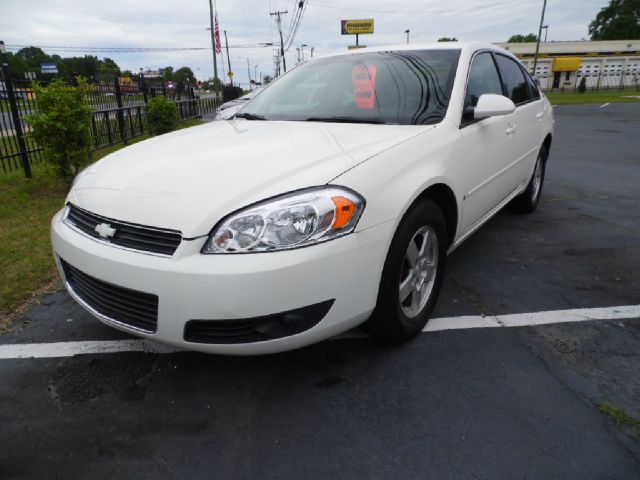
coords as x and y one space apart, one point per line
539 116
510 129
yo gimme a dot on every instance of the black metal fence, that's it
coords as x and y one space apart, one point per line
119 113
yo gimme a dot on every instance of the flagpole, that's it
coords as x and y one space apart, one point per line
213 41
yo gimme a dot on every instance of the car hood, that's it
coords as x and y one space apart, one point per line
188 180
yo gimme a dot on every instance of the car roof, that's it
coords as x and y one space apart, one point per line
469 47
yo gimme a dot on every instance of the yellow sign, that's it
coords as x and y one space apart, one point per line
230 74
353 27
566 64
355 47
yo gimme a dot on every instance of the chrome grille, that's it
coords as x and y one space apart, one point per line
127 235
122 305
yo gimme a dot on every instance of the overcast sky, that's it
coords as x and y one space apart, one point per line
179 23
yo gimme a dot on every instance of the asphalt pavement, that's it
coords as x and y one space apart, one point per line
484 403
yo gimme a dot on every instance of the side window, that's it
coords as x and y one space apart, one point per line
517 89
534 91
483 78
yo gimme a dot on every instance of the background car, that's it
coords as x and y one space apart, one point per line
229 109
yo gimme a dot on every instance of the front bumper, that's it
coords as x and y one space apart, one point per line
193 286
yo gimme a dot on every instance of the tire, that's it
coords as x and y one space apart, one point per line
528 200
400 316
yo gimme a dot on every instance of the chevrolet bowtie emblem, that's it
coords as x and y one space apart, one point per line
105 230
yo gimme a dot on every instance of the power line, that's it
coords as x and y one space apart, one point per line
302 8
426 10
131 49
294 20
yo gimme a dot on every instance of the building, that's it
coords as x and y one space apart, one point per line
562 65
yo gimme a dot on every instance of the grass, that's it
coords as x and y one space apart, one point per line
575 98
26 208
618 415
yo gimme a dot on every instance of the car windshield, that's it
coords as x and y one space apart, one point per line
395 87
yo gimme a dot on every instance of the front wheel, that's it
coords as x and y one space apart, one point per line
412 275
528 200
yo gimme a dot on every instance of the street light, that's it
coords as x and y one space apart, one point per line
407 32
302 50
248 70
546 29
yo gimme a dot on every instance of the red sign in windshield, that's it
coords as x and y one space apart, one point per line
364 86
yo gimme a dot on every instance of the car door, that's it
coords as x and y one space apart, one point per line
486 147
528 117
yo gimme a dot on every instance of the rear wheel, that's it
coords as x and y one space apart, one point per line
412 275
528 200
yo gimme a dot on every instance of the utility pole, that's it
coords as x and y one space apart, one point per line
226 44
407 32
213 41
249 72
279 21
302 50
535 58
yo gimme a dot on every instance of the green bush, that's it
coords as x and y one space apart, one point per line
162 116
582 86
62 126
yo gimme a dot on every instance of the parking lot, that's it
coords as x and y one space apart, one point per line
502 402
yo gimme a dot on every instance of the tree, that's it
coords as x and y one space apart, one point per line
529 38
184 77
582 87
32 54
62 125
107 66
29 59
166 72
267 80
214 84
87 66
448 39
619 21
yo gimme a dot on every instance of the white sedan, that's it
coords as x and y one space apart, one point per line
331 200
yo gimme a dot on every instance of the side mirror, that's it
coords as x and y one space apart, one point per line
491 105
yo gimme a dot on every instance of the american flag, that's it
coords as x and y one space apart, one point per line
216 30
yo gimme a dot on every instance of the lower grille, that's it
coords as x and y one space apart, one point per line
122 305
257 329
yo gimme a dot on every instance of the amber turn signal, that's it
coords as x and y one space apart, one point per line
345 209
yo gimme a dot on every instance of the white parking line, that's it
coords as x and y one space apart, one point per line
69 349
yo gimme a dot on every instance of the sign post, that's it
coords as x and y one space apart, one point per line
356 27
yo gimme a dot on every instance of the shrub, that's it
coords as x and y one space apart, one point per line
162 116
231 93
62 126
582 87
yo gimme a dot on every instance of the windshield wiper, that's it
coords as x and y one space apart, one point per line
249 116
345 120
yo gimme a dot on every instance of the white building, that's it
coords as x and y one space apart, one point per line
604 64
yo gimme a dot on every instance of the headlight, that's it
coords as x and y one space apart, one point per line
293 220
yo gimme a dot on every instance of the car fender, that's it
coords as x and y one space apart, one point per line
392 181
